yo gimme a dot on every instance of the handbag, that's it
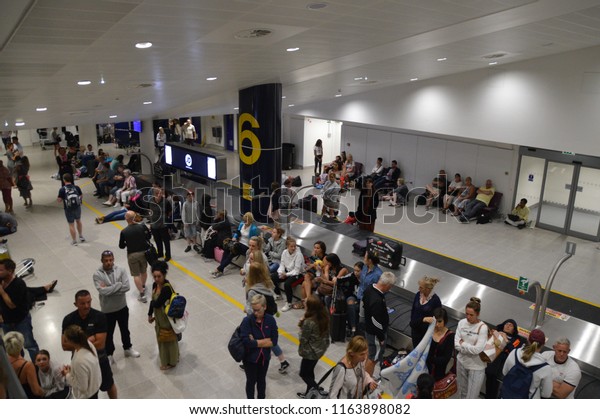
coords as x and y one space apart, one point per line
492 349
166 335
218 254
151 253
231 246
447 386
325 289
179 325
513 217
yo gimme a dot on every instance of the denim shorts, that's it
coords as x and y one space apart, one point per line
73 213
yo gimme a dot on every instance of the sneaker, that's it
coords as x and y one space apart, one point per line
142 298
286 307
74 242
284 366
117 205
521 226
111 360
131 353
81 239
323 392
197 248
187 249
216 274
107 203
301 395
278 297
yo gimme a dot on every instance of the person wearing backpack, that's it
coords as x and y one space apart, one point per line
70 195
527 375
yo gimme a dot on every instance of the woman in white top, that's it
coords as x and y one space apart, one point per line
83 375
530 357
469 341
318 152
290 272
350 379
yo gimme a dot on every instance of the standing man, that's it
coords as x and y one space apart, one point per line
566 374
189 132
112 284
70 195
18 147
94 325
377 319
14 306
134 238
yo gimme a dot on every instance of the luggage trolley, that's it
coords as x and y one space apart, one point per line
24 267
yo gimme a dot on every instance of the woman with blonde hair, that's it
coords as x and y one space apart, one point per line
424 303
83 375
469 341
246 229
531 358
314 341
24 370
351 384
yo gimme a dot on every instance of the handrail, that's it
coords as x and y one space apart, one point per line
549 285
147 158
538 301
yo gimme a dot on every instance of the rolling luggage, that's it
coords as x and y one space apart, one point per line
388 251
308 203
359 247
337 321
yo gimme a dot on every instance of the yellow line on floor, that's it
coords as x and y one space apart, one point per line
211 287
484 268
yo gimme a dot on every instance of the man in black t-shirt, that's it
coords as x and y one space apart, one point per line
135 237
14 306
70 195
93 323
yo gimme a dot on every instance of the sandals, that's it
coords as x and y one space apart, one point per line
298 306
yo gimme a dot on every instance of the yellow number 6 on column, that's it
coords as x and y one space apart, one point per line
247 134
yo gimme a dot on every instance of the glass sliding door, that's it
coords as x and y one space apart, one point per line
554 209
585 216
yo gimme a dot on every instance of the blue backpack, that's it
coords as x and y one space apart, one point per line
517 381
175 307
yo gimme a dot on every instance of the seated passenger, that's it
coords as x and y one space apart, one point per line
216 235
518 217
338 162
290 272
482 200
390 178
332 270
331 197
455 188
349 170
255 244
50 377
399 195
376 172
246 229
274 248
460 202
8 224
14 343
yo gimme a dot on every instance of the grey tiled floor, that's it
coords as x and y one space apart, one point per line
206 370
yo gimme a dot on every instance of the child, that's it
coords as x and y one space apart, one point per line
188 216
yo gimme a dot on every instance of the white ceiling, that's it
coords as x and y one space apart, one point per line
46 46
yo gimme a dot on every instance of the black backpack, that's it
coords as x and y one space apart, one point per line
271 304
72 198
517 381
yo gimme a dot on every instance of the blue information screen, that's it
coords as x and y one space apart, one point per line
189 160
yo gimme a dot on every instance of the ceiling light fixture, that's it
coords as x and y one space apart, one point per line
236 109
493 63
414 79
5 123
293 49
283 97
442 59
211 78
338 95
147 103
143 45
102 80
41 109
112 116
19 124
290 105
84 82
358 78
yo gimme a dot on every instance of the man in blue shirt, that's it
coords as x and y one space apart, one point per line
369 275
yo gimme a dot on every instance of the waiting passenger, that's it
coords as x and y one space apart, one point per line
399 195
467 194
346 385
246 229
50 377
331 198
518 217
424 303
455 188
368 202
493 372
349 170
425 385
469 341
346 290
369 275
441 350
390 178
376 172
482 200
290 272
24 370
313 269
566 374
274 248
332 270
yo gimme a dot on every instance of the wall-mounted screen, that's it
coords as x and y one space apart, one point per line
192 161
137 126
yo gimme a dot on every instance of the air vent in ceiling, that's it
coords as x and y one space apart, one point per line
143 85
253 33
317 6
495 55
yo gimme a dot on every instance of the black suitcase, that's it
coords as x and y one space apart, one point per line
388 251
338 327
359 247
308 203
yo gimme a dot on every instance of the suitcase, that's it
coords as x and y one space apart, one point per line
359 247
388 251
338 327
308 203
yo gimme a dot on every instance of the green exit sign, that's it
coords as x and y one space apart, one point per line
568 153
523 284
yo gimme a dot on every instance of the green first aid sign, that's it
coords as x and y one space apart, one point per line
523 284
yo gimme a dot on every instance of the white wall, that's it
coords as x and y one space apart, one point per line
208 122
550 102
329 132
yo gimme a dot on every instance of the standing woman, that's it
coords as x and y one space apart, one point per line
314 340
423 305
259 334
23 182
168 348
318 152
469 341
10 157
368 201
442 344
350 378
83 375
6 185
64 164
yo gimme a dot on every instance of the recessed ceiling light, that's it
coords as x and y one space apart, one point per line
414 79
358 78
5 123
19 124
102 80
211 78
236 109
147 103
84 82
493 63
293 49
442 59
283 97
143 45
338 95
41 109
112 116
290 105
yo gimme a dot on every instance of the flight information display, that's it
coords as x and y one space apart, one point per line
192 161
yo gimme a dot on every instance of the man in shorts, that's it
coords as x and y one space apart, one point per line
134 237
70 195
93 323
